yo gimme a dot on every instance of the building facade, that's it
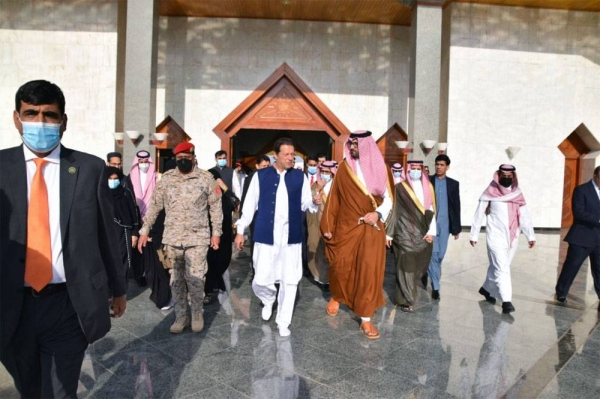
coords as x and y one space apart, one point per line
497 83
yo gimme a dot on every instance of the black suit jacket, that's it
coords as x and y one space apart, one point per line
88 240
452 187
585 230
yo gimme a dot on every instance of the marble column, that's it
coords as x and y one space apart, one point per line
139 84
425 78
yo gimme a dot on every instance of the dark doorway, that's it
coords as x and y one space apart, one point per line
247 144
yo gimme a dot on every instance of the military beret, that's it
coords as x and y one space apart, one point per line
184 147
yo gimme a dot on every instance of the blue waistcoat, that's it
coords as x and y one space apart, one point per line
268 180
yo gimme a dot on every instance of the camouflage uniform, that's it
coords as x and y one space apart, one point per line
187 201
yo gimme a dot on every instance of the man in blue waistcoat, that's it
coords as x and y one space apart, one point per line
278 195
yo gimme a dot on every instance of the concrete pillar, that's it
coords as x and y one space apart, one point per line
425 78
139 85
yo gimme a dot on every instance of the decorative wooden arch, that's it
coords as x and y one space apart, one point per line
574 149
164 149
283 102
387 145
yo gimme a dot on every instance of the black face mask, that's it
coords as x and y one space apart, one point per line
506 181
184 165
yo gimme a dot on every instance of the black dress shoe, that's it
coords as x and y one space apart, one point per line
507 307
487 295
424 280
435 295
561 299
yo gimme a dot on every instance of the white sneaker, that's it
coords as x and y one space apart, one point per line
284 332
267 311
169 306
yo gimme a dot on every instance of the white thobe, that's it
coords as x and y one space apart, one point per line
417 186
238 183
327 187
386 206
418 190
280 262
500 250
143 176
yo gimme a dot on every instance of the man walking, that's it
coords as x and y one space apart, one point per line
187 195
278 195
583 237
447 198
411 230
352 225
58 250
507 214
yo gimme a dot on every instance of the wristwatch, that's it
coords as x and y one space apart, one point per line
379 214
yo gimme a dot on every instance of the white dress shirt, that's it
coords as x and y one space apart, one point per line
52 179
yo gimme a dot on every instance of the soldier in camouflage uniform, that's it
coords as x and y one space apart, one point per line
187 195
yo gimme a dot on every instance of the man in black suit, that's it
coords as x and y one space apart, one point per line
58 260
448 220
583 237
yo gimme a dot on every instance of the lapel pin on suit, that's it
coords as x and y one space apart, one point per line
72 170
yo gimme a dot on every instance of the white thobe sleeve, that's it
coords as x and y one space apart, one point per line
386 205
478 220
250 205
307 200
526 223
432 225
237 190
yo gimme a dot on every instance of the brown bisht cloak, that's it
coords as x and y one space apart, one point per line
317 261
356 251
407 226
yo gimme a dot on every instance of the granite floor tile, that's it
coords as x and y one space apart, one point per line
370 382
219 391
459 347
130 362
423 392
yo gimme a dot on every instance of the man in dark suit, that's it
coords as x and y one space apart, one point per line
583 237
56 244
447 217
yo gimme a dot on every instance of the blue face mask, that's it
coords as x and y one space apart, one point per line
312 170
415 174
326 178
221 162
397 174
41 136
113 183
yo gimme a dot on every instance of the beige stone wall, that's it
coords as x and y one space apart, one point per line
208 66
72 44
521 77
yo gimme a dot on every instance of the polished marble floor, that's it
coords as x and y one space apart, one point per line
459 347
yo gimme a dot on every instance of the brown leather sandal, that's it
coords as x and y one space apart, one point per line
369 330
333 307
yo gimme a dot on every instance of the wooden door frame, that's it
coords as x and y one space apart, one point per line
283 102
574 149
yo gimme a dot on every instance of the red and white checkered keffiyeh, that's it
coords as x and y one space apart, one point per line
514 197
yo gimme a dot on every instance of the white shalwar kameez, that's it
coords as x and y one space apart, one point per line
500 251
280 262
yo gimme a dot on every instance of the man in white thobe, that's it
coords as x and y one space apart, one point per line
507 213
278 195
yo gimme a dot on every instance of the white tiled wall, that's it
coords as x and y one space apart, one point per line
520 77
209 66
72 44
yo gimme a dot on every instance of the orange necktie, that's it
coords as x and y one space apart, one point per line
38 258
